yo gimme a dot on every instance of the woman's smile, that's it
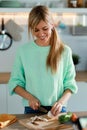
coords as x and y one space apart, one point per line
42 32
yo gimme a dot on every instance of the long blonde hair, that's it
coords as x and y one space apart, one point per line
37 14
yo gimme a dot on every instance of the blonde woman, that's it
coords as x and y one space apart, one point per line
43 72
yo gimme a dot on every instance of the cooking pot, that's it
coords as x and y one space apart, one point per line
5 38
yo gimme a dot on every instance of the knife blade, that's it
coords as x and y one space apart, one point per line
42 109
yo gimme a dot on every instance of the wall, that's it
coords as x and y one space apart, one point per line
7 57
78 45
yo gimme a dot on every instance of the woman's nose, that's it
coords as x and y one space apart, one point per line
41 33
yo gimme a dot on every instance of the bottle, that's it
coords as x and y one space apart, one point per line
80 3
72 3
75 3
85 4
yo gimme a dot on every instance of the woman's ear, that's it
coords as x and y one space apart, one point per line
52 26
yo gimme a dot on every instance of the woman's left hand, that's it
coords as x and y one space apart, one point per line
56 109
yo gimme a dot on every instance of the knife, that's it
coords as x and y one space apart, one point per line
42 109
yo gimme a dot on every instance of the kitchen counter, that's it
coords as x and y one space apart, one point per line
80 76
17 126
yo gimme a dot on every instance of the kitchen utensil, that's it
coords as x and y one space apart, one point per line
5 38
10 3
42 109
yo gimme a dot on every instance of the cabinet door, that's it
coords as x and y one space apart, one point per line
78 101
14 104
3 99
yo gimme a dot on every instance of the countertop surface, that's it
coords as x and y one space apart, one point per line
80 76
17 126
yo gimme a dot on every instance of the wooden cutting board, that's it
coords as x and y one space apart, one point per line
51 124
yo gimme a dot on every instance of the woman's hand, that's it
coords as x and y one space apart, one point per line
56 109
34 103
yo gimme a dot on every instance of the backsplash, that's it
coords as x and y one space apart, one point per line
78 43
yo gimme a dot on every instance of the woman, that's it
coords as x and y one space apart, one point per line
43 72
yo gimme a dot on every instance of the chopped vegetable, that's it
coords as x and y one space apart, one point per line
65 118
74 117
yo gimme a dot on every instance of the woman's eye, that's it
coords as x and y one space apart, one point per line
36 30
45 29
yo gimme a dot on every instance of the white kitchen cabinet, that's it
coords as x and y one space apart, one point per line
14 104
10 104
3 98
78 101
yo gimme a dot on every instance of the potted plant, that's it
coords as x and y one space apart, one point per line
76 59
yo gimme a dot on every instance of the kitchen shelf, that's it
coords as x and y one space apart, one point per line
80 76
58 10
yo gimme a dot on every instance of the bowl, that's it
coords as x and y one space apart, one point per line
10 3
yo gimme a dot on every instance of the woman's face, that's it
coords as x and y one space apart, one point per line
42 32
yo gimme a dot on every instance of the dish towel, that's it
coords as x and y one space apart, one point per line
7 119
14 30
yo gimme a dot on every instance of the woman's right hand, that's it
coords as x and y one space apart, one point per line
34 103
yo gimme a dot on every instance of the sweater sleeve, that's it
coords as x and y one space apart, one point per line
69 77
17 75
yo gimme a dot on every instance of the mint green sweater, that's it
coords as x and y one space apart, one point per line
30 72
